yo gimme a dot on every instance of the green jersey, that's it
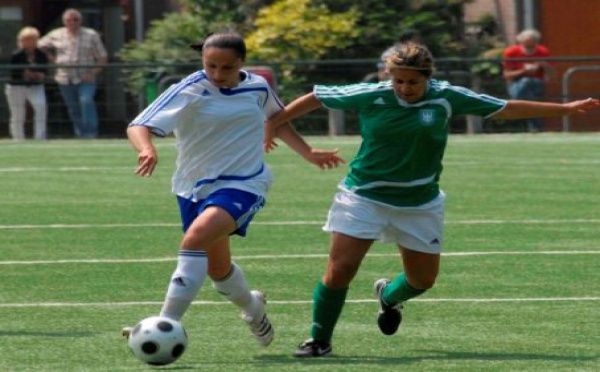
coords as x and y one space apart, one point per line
399 161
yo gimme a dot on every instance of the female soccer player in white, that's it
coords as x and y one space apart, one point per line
218 118
391 192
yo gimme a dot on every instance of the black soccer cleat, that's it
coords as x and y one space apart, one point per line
389 317
313 349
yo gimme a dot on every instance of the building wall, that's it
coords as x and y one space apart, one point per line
571 29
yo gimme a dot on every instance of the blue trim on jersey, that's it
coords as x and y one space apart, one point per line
168 95
250 75
232 92
229 177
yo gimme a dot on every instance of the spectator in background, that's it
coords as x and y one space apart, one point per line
27 84
407 36
526 79
77 45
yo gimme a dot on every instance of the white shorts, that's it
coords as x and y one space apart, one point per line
418 228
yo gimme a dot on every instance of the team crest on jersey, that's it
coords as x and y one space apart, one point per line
427 117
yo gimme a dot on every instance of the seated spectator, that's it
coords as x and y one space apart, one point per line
526 79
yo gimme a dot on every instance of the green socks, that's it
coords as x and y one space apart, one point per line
328 304
399 291
327 307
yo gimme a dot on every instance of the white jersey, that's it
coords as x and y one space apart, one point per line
219 133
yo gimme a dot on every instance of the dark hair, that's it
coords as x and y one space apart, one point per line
224 40
412 56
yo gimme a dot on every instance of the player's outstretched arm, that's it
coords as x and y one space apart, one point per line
300 106
516 109
324 159
140 138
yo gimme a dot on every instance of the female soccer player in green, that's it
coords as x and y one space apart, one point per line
392 193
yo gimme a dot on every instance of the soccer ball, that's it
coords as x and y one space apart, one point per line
158 341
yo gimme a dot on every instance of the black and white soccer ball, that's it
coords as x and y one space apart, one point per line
158 341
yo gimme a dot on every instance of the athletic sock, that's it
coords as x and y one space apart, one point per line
398 290
327 307
235 288
185 283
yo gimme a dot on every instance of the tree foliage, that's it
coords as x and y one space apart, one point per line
299 29
167 40
290 30
381 22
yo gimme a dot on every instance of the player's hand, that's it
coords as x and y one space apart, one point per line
583 105
147 160
325 159
269 143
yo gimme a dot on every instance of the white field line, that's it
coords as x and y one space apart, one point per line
295 302
286 256
62 169
287 223
449 162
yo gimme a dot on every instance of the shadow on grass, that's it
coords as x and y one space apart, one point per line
434 355
45 334
340 360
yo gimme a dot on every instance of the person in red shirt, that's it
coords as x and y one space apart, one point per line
526 78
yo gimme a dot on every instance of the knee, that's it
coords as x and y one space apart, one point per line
339 275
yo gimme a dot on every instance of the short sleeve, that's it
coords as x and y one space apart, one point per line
340 97
466 102
273 104
162 115
99 49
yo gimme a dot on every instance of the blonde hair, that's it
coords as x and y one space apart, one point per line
411 56
27 32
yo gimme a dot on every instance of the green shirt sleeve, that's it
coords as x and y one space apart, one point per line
343 97
466 102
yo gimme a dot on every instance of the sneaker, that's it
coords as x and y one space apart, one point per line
259 325
313 349
389 317
126 331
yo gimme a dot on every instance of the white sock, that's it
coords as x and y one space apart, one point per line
235 288
185 283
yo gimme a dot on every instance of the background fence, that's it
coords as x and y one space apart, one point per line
120 99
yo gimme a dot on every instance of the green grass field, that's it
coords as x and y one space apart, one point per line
87 248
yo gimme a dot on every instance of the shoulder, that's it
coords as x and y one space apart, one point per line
191 84
512 50
57 32
543 50
16 54
254 80
91 34
459 96
443 89
439 86
350 90
89 31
